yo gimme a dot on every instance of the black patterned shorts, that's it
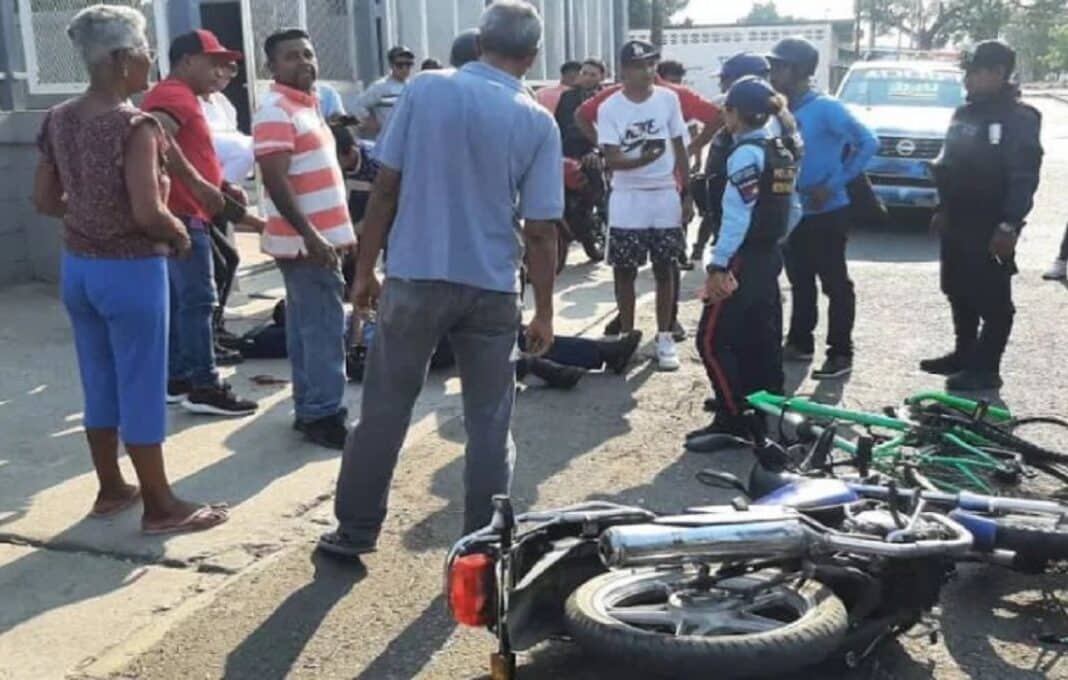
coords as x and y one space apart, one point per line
631 248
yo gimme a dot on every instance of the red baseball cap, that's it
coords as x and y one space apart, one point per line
200 41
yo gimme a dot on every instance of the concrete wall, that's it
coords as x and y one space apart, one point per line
29 243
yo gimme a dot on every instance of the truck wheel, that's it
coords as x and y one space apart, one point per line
660 622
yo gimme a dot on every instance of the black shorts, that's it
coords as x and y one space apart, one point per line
631 248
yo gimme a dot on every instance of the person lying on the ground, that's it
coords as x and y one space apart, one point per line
563 365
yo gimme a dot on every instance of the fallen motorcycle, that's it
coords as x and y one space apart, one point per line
818 570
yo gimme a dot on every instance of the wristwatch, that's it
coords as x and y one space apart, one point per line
714 268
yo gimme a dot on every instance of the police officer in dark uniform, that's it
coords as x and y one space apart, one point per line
739 337
987 175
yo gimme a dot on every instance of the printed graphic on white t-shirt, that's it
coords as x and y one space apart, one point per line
630 125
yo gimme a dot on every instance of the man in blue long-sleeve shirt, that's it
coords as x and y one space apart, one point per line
837 147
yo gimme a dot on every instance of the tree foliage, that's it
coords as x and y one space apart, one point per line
640 12
1057 56
937 23
766 13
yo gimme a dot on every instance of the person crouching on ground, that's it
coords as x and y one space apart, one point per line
739 336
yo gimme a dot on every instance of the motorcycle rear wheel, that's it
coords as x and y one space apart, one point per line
656 621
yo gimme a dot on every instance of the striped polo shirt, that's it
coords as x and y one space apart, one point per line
289 121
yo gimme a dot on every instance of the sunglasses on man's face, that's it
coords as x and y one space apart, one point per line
404 64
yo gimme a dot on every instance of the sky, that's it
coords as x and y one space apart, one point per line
720 12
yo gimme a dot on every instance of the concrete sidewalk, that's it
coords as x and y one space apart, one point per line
94 592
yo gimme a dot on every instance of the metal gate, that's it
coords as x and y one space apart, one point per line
52 66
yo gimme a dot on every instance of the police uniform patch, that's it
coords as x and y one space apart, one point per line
747 182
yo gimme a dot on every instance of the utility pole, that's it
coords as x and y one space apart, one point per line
656 23
856 29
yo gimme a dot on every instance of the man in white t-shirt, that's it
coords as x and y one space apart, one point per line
643 135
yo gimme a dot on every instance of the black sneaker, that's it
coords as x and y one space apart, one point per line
177 391
973 380
946 365
793 353
355 362
556 375
339 544
833 367
226 339
617 353
686 264
725 432
329 432
218 401
227 357
614 326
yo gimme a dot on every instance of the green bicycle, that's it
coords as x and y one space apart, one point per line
947 444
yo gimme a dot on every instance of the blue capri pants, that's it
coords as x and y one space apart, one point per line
119 310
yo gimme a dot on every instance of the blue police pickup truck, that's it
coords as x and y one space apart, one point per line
908 104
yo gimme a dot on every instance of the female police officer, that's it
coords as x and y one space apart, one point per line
740 333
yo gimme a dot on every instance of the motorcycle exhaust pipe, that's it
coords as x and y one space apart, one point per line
656 544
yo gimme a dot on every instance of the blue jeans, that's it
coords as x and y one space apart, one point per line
315 337
119 312
192 283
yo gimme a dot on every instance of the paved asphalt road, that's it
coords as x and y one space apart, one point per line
292 615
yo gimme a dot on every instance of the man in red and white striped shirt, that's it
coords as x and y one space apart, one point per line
307 223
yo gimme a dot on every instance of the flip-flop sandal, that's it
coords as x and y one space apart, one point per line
203 518
118 509
336 543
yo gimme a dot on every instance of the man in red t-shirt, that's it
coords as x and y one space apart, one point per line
198 63
694 108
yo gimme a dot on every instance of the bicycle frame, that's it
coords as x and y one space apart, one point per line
927 445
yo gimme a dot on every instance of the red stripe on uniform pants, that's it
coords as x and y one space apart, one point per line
711 365
714 368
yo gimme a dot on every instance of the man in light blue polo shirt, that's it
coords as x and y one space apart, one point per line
467 156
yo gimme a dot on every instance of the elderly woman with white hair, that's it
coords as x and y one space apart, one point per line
101 173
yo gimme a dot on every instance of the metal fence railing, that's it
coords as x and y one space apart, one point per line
329 22
52 66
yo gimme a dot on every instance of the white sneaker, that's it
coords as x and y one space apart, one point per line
1057 271
667 355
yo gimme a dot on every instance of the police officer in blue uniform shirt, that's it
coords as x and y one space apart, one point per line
837 148
714 178
987 175
740 333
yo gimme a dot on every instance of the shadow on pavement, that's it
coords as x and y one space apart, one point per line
590 412
900 241
269 652
987 611
407 653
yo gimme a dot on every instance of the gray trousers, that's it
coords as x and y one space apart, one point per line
412 317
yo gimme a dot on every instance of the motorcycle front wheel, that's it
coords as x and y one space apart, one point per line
659 621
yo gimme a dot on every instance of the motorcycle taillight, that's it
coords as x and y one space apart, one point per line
471 590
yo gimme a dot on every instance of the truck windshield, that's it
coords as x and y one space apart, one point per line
903 87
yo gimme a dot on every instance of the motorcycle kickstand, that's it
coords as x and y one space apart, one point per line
502 665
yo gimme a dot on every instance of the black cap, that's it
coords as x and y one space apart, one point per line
399 51
638 50
990 54
797 52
